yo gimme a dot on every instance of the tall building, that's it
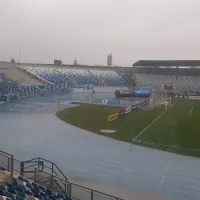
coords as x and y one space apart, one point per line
109 60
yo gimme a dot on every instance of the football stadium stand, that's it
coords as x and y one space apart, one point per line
21 80
6 85
157 82
181 75
79 76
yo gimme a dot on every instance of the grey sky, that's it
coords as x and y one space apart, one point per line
90 29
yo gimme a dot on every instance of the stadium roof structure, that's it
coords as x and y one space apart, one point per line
168 63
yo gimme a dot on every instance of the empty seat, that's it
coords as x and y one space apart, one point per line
9 195
2 193
35 185
22 187
48 191
21 194
29 186
18 189
28 193
2 187
11 190
41 188
19 198
43 194
37 196
14 183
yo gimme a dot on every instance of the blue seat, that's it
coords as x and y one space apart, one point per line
18 189
43 194
34 185
22 187
29 186
21 194
35 190
2 192
2 187
14 183
37 196
67 198
9 195
41 188
45 198
11 190
19 198
48 191
28 193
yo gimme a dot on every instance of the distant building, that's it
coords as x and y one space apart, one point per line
109 60
57 62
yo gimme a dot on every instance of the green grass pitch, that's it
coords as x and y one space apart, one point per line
177 130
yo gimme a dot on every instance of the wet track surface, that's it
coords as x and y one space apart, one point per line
29 128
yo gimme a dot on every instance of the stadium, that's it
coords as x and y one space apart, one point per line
100 133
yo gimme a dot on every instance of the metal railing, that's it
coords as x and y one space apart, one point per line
7 161
34 169
43 164
75 191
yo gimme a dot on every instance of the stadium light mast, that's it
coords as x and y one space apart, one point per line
19 55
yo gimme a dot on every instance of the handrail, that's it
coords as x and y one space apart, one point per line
5 153
53 165
10 160
80 186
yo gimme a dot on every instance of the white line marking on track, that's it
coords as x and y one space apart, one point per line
163 180
191 110
154 121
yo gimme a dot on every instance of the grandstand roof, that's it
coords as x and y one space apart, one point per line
147 63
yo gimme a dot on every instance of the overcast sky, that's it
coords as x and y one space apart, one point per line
90 29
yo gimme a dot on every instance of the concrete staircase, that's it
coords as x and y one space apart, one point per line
12 72
54 184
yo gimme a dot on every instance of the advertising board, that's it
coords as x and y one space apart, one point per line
195 97
192 93
113 102
123 93
127 110
104 101
113 117
121 112
141 93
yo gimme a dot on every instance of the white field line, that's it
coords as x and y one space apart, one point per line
154 121
191 110
165 145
